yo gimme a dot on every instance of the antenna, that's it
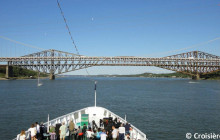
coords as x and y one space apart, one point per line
48 119
95 93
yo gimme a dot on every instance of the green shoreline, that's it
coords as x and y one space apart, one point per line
20 73
18 78
211 76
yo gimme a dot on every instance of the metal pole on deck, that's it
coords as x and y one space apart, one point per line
95 93
48 119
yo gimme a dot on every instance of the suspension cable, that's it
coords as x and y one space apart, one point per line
71 37
186 48
17 42
68 29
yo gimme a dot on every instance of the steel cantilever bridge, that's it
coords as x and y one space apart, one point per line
55 62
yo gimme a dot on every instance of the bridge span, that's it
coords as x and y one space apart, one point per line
57 62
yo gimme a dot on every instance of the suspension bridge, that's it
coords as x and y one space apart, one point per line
56 62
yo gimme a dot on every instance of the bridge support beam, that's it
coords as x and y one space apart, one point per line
9 71
196 77
52 76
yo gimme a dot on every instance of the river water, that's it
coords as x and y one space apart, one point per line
162 108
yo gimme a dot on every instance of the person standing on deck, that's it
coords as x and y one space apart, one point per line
84 130
98 133
103 135
89 133
80 133
132 134
121 131
22 135
63 131
71 129
114 133
127 127
100 123
53 134
43 129
33 132
38 130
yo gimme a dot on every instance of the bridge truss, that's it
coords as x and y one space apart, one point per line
58 62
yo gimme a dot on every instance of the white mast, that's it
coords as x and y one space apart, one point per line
48 119
95 93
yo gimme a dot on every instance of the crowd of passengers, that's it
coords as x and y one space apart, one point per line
107 130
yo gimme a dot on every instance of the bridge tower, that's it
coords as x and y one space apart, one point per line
52 67
196 77
9 71
196 68
52 76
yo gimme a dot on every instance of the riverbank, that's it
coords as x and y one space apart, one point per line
162 75
211 76
19 78
20 73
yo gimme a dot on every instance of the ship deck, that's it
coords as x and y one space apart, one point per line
94 114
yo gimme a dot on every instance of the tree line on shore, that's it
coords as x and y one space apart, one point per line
214 75
20 72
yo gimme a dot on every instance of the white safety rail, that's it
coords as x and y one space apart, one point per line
95 113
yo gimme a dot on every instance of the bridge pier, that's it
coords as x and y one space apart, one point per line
9 71
52 76
196 77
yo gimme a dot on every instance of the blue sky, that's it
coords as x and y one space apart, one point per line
113 27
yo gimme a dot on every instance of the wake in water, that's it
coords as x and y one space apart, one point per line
191 82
